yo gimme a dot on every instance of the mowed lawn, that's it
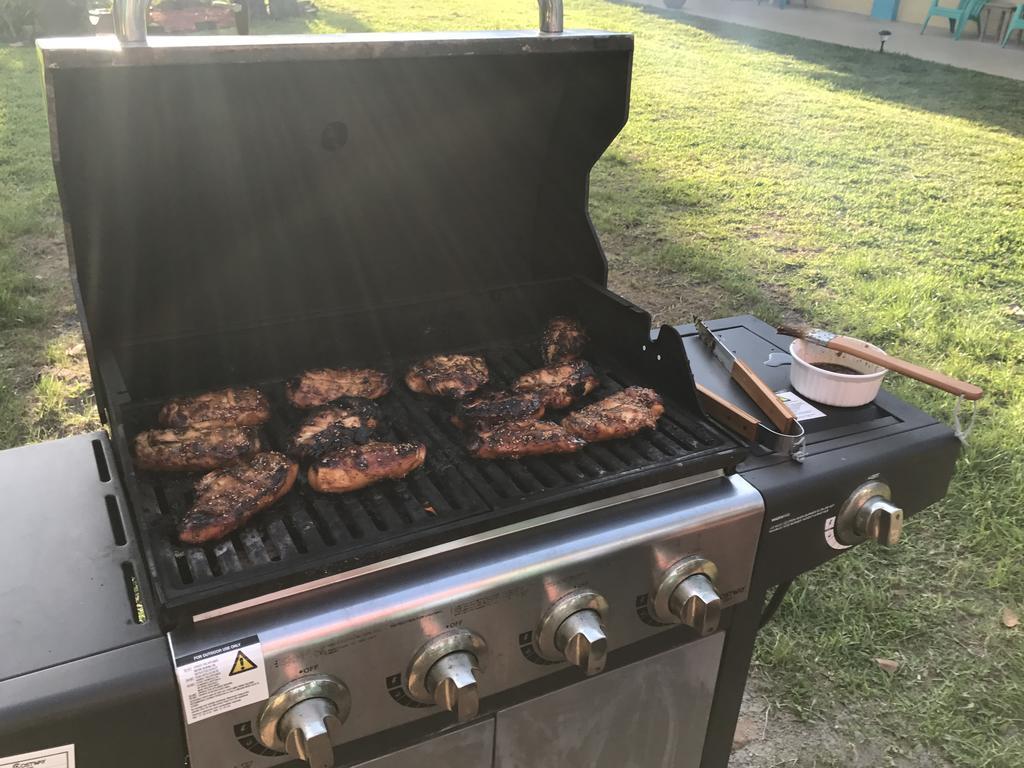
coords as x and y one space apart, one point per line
877 195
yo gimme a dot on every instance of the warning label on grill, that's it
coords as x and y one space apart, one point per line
221 678
56 757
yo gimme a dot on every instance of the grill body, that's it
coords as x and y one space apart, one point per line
239 210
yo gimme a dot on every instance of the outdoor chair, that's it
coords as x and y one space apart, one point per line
967 10
1016 22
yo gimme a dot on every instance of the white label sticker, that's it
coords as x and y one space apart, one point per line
830 535
803 410
221 678
57 757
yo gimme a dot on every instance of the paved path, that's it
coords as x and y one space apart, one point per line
862 32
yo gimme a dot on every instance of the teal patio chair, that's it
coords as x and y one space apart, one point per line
966 10
1016 22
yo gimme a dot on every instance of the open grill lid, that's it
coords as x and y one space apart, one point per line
218 184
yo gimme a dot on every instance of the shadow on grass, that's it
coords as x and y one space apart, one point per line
661 254
925 85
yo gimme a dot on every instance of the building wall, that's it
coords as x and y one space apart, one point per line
910 11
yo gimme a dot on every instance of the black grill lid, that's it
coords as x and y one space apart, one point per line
211 184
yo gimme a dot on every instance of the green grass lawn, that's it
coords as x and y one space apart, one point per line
878 195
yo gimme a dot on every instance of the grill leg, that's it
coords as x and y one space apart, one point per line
732 679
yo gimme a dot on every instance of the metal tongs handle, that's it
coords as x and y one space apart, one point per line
754 431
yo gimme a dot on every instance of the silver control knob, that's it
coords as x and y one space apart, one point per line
444 672
452 683
581 640
308 727
304 718
685 594
573 629
696 604
868 514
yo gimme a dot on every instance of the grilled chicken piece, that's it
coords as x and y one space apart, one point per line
480 411
523 438
358 466
321 386
224 408
333 427
559 386
194 450
448 375
227 498
563 340
621 415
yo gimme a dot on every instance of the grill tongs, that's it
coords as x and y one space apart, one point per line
788 435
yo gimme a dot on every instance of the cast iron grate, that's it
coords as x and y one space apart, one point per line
309 534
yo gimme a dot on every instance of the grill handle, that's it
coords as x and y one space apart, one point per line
550 16
130 18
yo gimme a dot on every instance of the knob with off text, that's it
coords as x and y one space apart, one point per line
304 719
572 629
868 514
685 594
445 671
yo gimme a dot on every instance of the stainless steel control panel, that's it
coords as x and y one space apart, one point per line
447 629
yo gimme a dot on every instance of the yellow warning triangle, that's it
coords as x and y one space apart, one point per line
242 664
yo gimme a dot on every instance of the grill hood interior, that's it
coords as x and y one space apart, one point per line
216 185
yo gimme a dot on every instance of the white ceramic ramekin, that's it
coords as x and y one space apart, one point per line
828 387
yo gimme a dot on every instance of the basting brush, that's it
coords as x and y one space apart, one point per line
854 348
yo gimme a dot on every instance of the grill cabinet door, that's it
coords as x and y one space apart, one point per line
649 714
469 747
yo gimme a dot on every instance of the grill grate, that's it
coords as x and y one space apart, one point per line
308 534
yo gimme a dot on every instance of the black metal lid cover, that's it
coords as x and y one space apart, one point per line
212 185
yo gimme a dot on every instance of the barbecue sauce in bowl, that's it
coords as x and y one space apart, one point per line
837 368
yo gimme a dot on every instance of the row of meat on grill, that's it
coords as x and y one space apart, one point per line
338 440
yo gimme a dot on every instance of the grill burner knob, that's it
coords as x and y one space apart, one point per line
308 727
452 683
867 514
304 719
573 629
444 672
686 595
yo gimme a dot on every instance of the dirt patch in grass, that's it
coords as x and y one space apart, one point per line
769 736
668 296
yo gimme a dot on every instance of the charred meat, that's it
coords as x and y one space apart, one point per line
563 340
559 386
358 466
515 439
321 386
224 408
482 410
448 375
227 498
333 427
194 450
621 415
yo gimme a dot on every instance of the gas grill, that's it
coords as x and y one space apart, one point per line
240 209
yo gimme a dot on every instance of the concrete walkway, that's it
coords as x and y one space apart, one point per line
859 31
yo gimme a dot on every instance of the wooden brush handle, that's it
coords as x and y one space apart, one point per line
776 410
727 414
941 381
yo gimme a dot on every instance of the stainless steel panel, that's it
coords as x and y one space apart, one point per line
365 631
650 714
469 747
